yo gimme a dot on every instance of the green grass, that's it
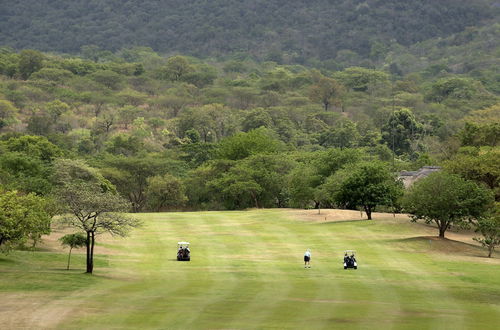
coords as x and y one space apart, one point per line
247 272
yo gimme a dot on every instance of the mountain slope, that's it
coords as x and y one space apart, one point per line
313 28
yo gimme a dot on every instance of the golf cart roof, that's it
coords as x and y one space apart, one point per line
182 243
350 251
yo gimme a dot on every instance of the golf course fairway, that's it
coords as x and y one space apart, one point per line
246 272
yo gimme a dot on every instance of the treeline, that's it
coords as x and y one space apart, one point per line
274 30
180 133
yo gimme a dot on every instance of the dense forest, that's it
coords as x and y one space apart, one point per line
293 31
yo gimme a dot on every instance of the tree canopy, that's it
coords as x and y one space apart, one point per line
368 185
447 200
23 218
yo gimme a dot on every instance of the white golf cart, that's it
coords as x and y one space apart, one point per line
183 252
350 259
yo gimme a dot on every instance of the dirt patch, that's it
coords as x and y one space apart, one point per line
29 311
334 215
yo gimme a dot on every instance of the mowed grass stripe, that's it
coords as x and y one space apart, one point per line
344 295
215 255
388 266
247 255
283 250
311 288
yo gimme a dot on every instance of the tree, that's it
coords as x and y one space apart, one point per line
400 131
485 134
344 135
131 97
95 211
489 227
447 200
480 165
176 68
257 118
129 175
34 146
453 87
203 76
369 185
127 114
174 103
238 189
165 191
7 113
242 145
196 154
303 182
326 91
362 79
55 109
30 61
77 240
108 78
68 170
23 217
53 75
25 173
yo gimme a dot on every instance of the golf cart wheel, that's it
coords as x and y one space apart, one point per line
355 267
345 267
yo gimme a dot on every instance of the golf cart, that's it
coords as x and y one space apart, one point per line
350 259
183 252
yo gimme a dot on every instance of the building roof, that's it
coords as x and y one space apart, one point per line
409 177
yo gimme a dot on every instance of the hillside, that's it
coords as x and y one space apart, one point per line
262 28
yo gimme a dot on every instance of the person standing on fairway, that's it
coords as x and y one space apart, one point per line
307 259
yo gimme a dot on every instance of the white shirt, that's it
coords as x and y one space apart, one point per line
307 254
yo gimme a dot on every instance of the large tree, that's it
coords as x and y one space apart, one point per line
30 61
129 175
303 182
326 91
95 212
90 203
23 217
176 68
447 200
368 185
165 191
400 131
242 145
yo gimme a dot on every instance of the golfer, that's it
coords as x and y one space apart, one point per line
307 259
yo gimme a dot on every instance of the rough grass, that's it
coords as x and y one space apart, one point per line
247 272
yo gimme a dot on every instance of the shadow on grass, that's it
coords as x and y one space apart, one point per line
67 271
5 260
445 245
343 221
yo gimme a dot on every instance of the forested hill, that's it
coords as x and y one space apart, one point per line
264 28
